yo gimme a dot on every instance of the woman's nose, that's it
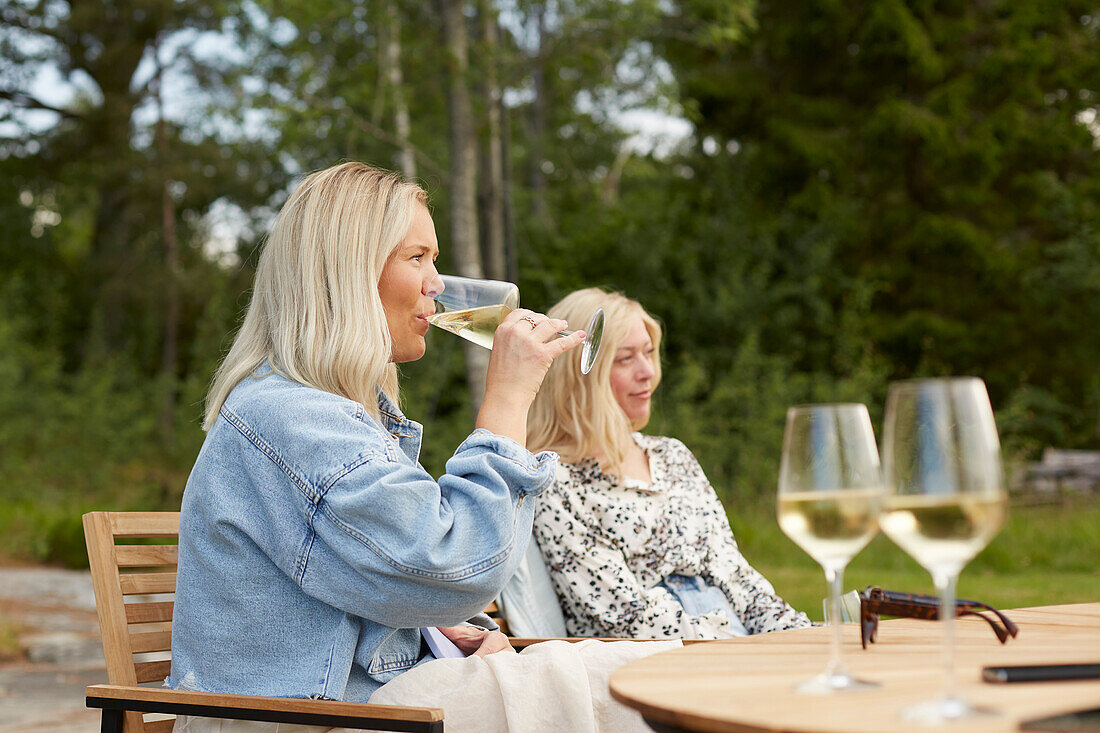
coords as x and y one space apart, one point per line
645 370
434 287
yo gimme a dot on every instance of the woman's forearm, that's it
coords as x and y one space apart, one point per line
505 415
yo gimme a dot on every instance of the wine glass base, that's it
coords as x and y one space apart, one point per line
831 683
944 710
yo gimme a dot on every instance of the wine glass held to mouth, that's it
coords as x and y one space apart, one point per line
474 308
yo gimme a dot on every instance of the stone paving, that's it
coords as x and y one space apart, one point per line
54 610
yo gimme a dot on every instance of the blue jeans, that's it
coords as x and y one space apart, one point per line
698 598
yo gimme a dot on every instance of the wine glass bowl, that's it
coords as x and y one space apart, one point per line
945 497
593 336
465 293
829 498
473 308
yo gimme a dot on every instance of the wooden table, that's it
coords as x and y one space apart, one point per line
747 684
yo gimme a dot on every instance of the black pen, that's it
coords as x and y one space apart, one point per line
1041 673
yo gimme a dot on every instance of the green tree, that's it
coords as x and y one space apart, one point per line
92 184
919 185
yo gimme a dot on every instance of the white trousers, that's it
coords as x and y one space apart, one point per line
552 686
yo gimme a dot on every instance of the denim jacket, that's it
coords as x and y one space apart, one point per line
313 545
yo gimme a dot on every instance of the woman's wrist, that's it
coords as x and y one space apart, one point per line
505 415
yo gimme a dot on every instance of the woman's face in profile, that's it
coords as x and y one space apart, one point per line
406 280
632 372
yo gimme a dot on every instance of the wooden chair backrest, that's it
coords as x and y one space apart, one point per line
493 611
132 582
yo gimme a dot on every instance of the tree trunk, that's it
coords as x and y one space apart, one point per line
397 84
511 254
170 352
462 183
111 287
538 123
492 160
108 286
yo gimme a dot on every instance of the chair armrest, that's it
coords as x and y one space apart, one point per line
332 713
524 642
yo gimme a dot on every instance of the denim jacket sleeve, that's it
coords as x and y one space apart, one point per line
392 544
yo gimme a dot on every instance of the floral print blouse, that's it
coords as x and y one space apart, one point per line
608 542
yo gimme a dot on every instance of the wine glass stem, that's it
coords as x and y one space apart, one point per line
945 586
835 576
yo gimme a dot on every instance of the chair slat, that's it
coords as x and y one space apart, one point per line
110 608
145 524
146 556
493 611
159 726
141 613
153 671
135 583
157 641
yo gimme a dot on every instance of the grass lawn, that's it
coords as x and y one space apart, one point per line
1044 555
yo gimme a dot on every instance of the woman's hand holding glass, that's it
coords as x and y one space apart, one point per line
524 346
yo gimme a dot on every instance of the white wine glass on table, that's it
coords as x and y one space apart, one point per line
473 308
830 495
945 499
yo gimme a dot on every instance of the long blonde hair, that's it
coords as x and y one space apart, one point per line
576 414
315 312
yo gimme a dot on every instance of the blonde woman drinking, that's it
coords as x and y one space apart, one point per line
634 537
307 519
306 516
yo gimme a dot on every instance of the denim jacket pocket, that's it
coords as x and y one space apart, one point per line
396 654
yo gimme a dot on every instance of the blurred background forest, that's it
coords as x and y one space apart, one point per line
814 197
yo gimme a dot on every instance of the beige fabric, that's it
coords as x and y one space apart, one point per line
552 686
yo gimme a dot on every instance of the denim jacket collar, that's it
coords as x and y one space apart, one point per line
408 432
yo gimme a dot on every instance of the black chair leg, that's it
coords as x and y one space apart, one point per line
111 722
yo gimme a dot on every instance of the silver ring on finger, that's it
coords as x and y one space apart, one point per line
530 320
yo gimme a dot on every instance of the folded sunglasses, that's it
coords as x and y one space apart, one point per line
874 601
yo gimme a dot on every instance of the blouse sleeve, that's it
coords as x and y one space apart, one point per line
751 595
600 595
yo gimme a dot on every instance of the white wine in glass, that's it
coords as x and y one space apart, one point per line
473 324
473 308
945 498
830 495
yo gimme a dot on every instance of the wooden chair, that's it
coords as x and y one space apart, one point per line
132 584
522 642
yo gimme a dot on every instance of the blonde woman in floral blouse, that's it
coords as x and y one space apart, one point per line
635 539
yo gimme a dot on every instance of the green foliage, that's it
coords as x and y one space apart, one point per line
1042 555
874 190
74 442
919 195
